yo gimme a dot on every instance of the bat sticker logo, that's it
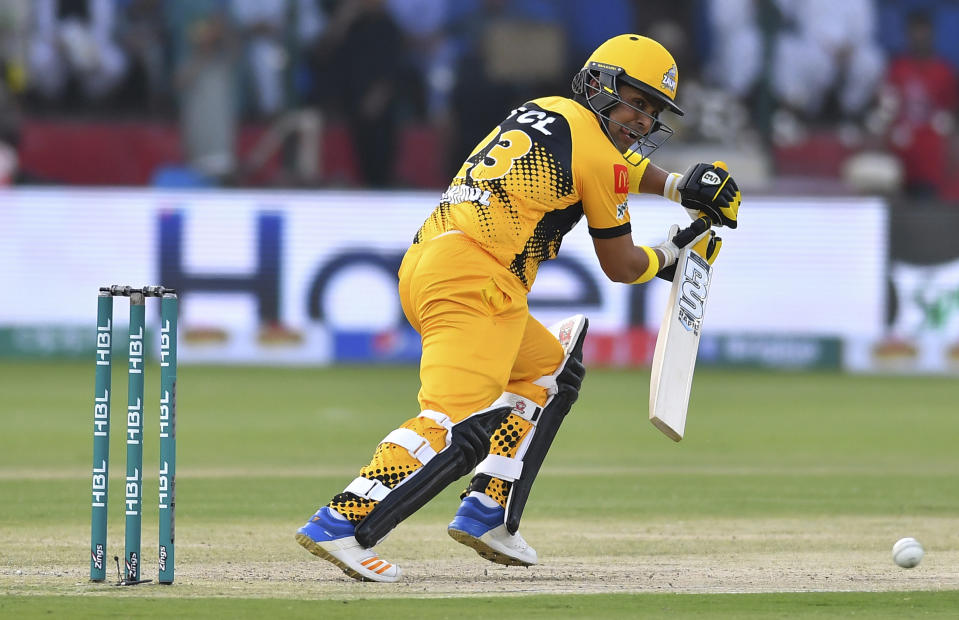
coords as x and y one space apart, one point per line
693 292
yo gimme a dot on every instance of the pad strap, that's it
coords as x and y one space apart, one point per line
417 445
520 406
442 419
502 467
548 382
368 489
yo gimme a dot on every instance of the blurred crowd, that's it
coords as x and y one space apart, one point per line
877 76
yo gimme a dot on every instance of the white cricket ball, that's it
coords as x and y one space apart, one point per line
907 552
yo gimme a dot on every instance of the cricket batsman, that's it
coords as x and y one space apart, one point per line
496 384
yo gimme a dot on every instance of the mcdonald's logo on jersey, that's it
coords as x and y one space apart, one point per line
621 177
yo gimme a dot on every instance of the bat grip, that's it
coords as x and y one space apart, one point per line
686 235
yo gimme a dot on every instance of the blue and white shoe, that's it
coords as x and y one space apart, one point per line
482 527
330 536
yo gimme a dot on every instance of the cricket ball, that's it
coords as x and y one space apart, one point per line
907 552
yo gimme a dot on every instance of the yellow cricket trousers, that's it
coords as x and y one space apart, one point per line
479 338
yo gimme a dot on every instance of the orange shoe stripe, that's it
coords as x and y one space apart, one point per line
369 559
387 567
375 565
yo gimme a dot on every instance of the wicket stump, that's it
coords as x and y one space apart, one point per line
134 436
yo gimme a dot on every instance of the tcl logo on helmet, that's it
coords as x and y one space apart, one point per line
710 178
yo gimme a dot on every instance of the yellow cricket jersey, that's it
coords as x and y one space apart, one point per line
531 180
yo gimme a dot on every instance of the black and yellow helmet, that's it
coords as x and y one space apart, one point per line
641 63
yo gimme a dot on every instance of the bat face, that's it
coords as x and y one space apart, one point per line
674 360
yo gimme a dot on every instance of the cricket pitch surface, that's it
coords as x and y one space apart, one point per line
695 556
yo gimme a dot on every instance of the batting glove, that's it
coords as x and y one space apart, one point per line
706 244
677 239
709 189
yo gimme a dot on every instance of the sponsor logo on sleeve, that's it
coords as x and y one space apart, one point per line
621 178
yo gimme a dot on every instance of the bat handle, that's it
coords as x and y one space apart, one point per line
684 237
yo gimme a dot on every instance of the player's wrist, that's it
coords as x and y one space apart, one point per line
671 187
669 251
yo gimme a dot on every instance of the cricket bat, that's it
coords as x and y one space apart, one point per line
674 359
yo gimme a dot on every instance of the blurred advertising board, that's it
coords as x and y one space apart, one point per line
309 277
921 323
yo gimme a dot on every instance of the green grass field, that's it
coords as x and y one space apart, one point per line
784 500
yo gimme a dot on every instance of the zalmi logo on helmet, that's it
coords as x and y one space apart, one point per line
669 79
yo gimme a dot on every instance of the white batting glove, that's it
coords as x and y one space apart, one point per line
677 239
669 249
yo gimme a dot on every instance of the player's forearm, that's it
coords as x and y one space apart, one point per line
643 265
660 182
654 180
655 260
624 262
